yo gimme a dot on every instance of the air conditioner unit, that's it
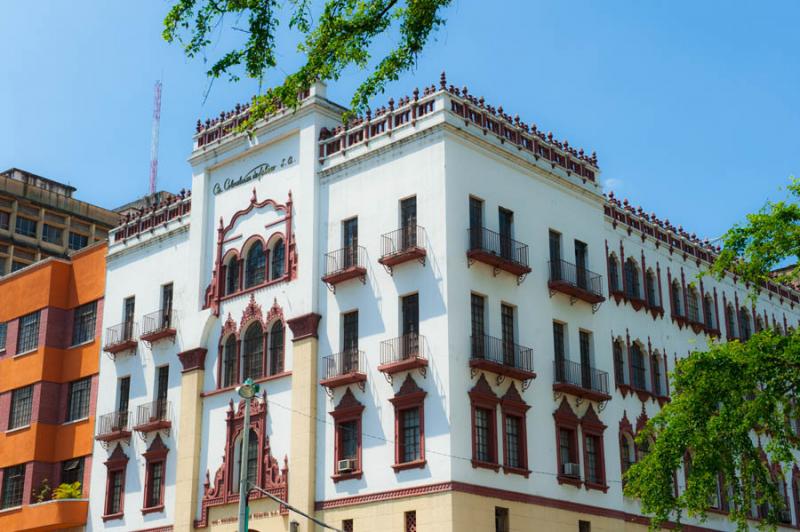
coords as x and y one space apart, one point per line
571 469
346 466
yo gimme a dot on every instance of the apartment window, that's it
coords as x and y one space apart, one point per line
584 526
744 324
613 273
155 473
77 241
28 334
129 306
409 306
347 443
475 223
411 521
348 440
162 389
585 344
350 342
123 396
555 255
677 307
166 306
559 351
83 323
594 472
619 362
409 435
483 435
581 264
409 424
408 222
276 340
253 352
115 484
506 224
52 234
156 461
513 438
655 365
78 399
650 289
627 451
232 276
229 362
567 444
507 328
501 523
26 226
693 307
632 279
72 471
3 332
13 484
21 405
350 242
5 220
638 367
477 306
255 265
567 452
278 260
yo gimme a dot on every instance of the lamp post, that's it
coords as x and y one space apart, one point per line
246 391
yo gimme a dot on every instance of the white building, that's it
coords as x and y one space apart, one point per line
406 292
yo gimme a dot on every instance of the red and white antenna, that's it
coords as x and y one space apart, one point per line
154 144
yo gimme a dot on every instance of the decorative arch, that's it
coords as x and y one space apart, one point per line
254 253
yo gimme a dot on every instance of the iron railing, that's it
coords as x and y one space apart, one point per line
586 377
157 321
488 241
406 347
502 352
113 422
403 239
121 333
344 363
344 259
578 276
158 410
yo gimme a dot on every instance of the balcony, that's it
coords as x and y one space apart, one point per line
403 245
404 353
56 514
344 368
158 325
154 416
345 264
576 282
120 338
580 380
113 427
504 358
498 251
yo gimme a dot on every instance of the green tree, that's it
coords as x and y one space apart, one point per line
731 423
345 33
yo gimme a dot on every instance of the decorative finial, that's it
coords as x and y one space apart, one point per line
443 81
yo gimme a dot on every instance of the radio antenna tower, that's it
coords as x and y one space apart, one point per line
154 143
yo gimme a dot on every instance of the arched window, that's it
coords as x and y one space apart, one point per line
677 307
253 352
613 272
744 324
252 461
278 260
708 312
256 265
619 363
229 373
638 367
730 321
627 451
232 275
655 364
632 289
693 305
276 348
759 324
644 449
651 289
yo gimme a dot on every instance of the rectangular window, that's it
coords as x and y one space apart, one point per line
52 234
347 525
115 492
409 346
501 523
581 264
350 242
77 241
409 435
506 224
513 428
594 473
408 215
348 440
507 327
21 405
28 334
162 387
559 346
123 393
13 484
475 223
155 481
166 306
5 219
483 435
585 341
584 526
411 521
72 471
477 306
554 239
128 308
567 452
83 323
26 227
350 341
3 332
78 399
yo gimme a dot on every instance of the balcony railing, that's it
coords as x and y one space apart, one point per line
157 325
499 251
121 337
344 264
402 245
153 416
113 426
343 368
502 356
403 353
581 380
575 281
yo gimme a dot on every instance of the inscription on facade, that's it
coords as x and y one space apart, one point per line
253 175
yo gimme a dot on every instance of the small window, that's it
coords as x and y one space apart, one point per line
693 308
3 332
708 312
52 234
28 335
411 521
501 523
78 399
5 219
567 452
77 241
26 227
83 323
478 306
13 484
72 471
21 406
278 260
584 526
347 525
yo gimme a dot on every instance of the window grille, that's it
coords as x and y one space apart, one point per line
28 335
83 324
21 405
78 400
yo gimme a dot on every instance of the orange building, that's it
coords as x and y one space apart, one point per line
49 350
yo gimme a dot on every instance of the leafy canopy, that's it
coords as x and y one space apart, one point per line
342 36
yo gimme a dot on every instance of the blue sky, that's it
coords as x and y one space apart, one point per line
692 107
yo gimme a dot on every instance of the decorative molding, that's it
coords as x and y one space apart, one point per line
252 312
304 326
193 359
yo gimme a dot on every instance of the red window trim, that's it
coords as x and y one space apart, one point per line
512 405
565 418
410 396
625 428
348 409
117 462
156 453
482 396
592 426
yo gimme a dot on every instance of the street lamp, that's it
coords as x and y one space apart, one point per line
247 391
